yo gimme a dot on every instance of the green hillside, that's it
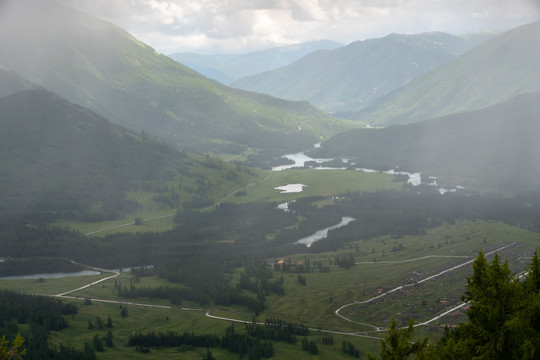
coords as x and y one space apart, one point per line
495 71
351 77
92 63
66 161
493 148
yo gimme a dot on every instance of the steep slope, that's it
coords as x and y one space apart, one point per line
497 70
351 77
97 65
496 147
62 158
11 83
227 68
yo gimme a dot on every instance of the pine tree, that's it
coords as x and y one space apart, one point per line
397 344
109 339
98 343
503 317
11 352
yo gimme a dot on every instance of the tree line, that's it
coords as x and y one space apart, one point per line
232 340
26 266
41 315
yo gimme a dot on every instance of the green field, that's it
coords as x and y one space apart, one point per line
378 269
318 182
159 217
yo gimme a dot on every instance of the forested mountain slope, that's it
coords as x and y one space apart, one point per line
351 77
497 70
496 147
92 63
61 158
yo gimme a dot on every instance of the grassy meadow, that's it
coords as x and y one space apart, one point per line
160 217
378 269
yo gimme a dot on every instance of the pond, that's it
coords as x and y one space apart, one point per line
290 188
321 234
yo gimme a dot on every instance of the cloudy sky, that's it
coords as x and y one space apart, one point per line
239 26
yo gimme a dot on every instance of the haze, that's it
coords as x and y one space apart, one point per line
234 26
410 159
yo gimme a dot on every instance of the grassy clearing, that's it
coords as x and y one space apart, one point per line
162 320
318 182
160 217
49 286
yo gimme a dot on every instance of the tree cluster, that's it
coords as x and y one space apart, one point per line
232 340
40 315
37 265
310 346
277 330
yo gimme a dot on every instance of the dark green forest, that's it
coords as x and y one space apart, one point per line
61 161
200 255
41 315
208 235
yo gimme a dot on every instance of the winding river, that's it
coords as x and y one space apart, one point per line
415 179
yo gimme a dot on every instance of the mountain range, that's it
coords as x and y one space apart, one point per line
351 77
97 65
78 73
226 68
495 71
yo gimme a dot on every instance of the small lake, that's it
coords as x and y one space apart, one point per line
321 234
290 188
299 160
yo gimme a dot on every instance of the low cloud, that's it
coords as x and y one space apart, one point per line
214 26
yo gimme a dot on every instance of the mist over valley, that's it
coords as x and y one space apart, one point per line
287 201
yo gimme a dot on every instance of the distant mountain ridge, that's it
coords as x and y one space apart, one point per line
11 83
351 77
492 148
99 66
227 68
495 71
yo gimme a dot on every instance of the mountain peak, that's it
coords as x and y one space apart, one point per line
500 68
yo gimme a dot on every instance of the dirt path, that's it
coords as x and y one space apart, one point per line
364 334
377 328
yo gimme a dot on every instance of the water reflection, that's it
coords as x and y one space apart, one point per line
290 188
321 234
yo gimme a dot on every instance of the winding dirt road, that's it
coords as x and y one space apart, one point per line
363 334
424 323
